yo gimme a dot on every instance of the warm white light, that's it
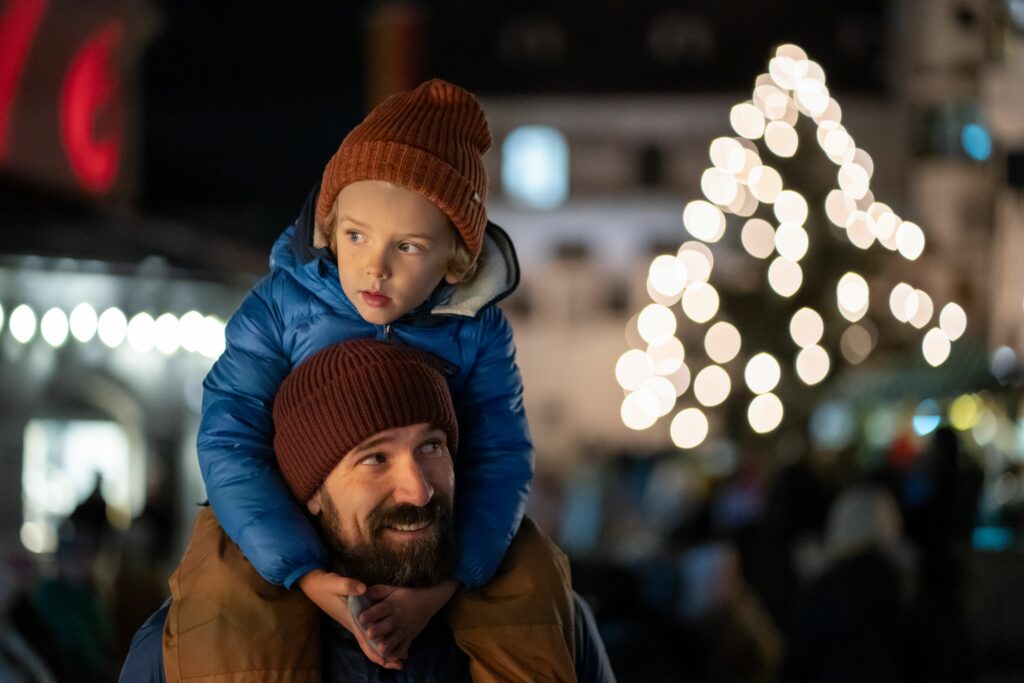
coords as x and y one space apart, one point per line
836 142
853 296
776 103
656 323
791 241
666 357
864 160
785 276
900 300
722 150
953 320
812 364
747 120
910 240
765 413
633 369
667 275
640 410
935 347
742 162
765 183
700 302
853 180
925 308
781 138
23 323
704 220
812 95
664 391
860 229
697 259
814 70
112 327
856 344
711 386
213 337
806 327
744 204
722 342
168 339
680 379
791 207
886 224
719 186
689 428
190 330
83 322
758 238
762 373
142 332
54 327
838 207
833 112
794 52
786 71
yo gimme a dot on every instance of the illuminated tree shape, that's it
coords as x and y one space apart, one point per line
738 182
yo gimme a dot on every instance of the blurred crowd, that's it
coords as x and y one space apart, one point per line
821 569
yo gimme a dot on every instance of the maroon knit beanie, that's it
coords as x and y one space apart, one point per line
430 140
346 393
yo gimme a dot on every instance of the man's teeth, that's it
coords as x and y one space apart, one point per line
410 527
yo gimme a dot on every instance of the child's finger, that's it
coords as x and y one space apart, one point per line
378 611
379 591
345 586
381 630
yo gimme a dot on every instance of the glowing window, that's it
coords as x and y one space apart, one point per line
535 166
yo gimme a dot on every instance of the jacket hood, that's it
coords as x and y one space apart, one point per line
497 274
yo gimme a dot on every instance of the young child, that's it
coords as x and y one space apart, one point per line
396 245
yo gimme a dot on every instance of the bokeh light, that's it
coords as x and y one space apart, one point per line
781 138
806 327
953 320
667 275
167 333
666 357
142 332
765 183
812 364
791 241
762 373
747 120
758 238
112 327
83 322
700 302
23 323
704 220
765 413
935 346
640 409
719 186
711 386
54 327
689 428
785 276
697 259
910 240
722 342
856 344
924 310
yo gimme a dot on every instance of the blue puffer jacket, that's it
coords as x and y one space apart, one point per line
300 308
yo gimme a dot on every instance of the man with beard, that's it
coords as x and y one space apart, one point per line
364 436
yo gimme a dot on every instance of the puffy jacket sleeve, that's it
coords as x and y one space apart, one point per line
235 445
495 462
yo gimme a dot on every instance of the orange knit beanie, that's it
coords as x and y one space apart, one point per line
346 393
430 140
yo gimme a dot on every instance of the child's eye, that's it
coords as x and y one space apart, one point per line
409 248
432 446
354 236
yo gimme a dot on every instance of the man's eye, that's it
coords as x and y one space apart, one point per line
373 459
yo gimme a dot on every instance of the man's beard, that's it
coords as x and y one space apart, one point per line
416 563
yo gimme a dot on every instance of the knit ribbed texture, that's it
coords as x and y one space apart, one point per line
430 140
345 394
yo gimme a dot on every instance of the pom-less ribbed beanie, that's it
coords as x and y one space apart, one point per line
346 393
430 140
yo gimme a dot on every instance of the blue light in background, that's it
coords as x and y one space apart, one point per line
927 417
535 166
976 141
992 538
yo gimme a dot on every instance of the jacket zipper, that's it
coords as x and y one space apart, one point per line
386 333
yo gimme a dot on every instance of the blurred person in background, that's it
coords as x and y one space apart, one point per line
851 622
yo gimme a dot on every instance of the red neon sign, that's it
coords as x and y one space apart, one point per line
18 27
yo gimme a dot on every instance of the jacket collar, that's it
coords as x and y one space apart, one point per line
497 275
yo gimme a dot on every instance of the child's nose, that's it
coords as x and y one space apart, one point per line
377 265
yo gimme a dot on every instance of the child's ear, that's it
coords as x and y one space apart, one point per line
452 277
314 506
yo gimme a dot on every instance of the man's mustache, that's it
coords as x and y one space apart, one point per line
404 514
